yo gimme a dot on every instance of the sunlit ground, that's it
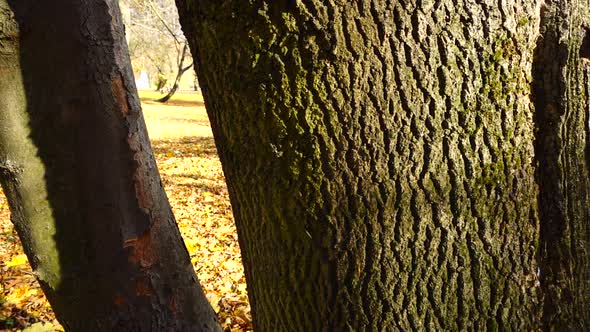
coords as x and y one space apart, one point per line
190 169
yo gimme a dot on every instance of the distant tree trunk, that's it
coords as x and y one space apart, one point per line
161 80
181 70
562 96
77 168
380 160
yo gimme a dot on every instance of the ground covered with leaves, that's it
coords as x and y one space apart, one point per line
192 175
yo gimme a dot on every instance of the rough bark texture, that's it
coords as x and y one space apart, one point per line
21 170
380 158
76 163
562 97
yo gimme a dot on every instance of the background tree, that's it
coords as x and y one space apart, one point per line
380 159
157 43
78 171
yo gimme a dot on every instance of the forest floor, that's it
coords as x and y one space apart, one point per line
191 172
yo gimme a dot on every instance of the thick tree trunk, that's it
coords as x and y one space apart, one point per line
77 167
562 96
21 170
379 157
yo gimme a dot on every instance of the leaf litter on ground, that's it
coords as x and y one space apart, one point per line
193 178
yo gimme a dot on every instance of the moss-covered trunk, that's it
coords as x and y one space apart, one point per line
380 158
77 168
562 97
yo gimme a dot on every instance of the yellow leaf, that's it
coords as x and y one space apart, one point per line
194 260
215 248
236 277
226 230
214 301
40 327
57 326
20 294
17 260
225 288
191 245
208 197
231 265
242 288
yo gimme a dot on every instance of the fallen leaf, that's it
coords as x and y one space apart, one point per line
17 260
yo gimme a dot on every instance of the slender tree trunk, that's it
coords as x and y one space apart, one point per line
181 70
82 183
161 79
379 157
562 95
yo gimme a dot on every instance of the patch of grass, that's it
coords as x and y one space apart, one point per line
180 97
183 116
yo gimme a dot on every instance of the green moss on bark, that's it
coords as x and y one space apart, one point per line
384 146
21 170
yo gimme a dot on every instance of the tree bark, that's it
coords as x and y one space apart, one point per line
77 167
562 97
379 157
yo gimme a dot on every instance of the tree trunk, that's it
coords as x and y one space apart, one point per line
77 167
379 157
181 70
161 80
562 97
